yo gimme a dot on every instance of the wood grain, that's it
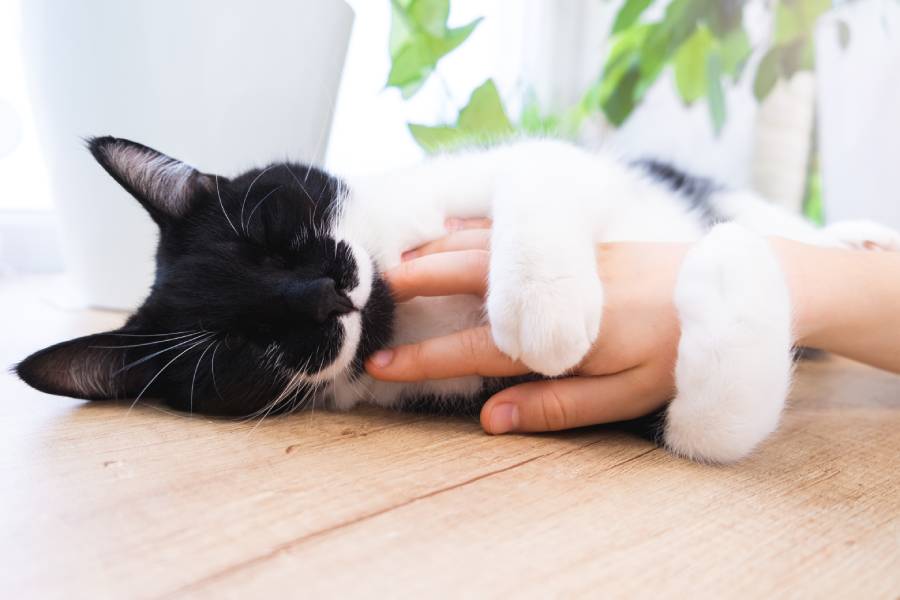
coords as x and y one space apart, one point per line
103 501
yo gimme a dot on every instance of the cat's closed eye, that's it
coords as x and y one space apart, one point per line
276 262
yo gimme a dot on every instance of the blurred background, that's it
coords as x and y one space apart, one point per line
797 99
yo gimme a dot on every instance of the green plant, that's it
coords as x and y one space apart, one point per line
420 38
703 41
707 46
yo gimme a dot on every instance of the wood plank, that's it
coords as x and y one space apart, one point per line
100 500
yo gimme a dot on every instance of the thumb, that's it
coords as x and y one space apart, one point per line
558 404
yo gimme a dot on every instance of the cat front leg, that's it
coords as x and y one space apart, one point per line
734 362
545 298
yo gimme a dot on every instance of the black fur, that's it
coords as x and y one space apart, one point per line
465 405
697 191
244 265
246 272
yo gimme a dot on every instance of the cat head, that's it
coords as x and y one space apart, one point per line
257 300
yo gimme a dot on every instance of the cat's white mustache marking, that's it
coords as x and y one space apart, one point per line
365 271
350 322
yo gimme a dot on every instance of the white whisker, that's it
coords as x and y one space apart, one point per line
227 218
150 334
160 372
181 337
244 203
212 370
258 204
300 184
163 351
194 378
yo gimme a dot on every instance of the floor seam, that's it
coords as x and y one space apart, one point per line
360 519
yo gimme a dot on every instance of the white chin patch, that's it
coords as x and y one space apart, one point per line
364 273
351 322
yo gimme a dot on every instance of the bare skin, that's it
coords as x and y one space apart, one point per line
844 302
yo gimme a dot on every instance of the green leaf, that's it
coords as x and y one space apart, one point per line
568 124
451 39
666 37
533 122
735 49
408 66
624 58
767 74
430 15
629 14
681 19
482 120
530 120
691 65
788 23
484 114
620 103
626 48
655 51
401 28
715 96
797 56
795 19
811 10
434 139
813 207
419 39
725 16
629 71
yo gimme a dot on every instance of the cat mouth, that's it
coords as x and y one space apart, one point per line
343 305
349 308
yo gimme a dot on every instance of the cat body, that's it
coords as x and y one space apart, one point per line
275 274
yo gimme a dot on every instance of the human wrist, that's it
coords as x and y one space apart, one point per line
811 309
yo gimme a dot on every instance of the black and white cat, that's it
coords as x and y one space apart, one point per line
268 297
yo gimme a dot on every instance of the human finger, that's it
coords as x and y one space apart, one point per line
466 239
558 404
467 352
456 224
444 274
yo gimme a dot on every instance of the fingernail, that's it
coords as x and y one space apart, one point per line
453 224
382 358
504 418
408 255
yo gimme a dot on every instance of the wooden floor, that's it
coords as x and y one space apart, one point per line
99 501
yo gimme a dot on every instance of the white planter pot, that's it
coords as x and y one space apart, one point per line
221 84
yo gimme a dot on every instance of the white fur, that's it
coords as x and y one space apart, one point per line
862 235
734 356
351 322
551 203
159 178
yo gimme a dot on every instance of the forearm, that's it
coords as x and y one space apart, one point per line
845 301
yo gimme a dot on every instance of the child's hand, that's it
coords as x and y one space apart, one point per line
628 373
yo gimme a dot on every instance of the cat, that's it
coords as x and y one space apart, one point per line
268 295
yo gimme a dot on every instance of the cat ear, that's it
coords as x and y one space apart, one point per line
102 366
165 186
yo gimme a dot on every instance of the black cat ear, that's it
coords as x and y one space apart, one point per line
103 366
165 186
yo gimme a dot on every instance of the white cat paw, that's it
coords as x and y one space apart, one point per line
863 235
546 315
734 357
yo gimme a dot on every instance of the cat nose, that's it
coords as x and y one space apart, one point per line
319 299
